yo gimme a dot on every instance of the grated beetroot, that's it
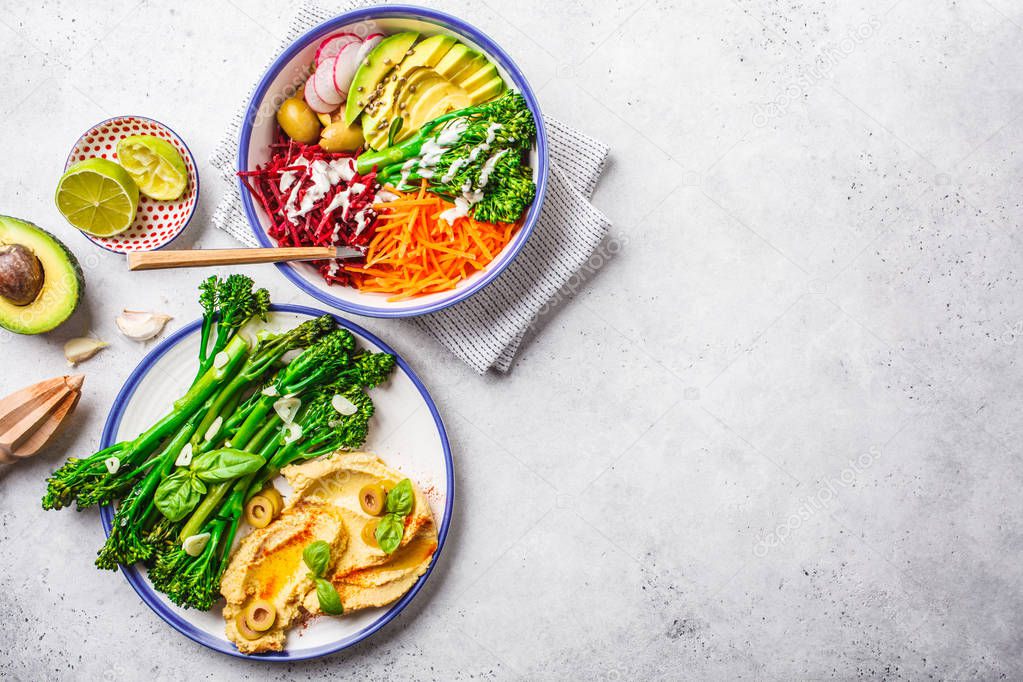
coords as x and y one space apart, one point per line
317 227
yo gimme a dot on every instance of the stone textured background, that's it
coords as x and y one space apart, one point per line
775 435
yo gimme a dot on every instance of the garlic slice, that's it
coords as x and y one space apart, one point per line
139 325
82 348
294 432
220 359
343 405
112 464
185 456
214 428
195 544
286 408
270 392
290 355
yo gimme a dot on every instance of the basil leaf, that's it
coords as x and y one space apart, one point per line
317 557
197 484
330 600
389 532
400 499
175 496
225 464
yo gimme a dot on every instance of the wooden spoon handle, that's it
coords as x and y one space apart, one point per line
159 260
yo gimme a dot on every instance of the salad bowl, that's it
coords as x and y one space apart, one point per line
285 78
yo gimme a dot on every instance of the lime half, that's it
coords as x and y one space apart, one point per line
98 197
155 166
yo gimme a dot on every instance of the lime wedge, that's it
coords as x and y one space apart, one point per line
155 166
98 197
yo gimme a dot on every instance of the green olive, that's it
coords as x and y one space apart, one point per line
369 532
243 628
259 511
371 497
260 615
338 137
299 121
274 495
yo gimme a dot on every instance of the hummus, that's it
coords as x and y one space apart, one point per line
324 505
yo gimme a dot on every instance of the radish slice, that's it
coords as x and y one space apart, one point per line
323 83
332 45
314 101
345 65
371 41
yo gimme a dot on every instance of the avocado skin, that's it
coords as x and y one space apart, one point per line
60 251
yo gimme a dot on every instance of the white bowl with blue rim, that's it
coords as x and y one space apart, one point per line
406 432
259 125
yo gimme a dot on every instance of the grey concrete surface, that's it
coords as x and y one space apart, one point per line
776 434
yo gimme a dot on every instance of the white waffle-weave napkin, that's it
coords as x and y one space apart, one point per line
485 331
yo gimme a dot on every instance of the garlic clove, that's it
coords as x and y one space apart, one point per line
139 325
82 348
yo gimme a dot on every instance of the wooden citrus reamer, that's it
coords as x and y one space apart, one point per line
30 417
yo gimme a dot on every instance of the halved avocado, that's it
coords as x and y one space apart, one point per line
377 64
46 303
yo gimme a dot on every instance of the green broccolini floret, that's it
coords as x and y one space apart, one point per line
229 303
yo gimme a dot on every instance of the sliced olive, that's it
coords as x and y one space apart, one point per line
260 615
371 497
259 511
369 532
274 495
243 628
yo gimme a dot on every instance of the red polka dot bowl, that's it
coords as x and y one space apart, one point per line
157 223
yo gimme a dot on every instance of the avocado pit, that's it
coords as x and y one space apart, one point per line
21 274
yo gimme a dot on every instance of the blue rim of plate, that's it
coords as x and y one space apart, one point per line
188 150
492 49
145 590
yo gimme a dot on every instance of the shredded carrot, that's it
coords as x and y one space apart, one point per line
415 252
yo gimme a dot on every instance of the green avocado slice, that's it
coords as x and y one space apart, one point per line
63 282
377 64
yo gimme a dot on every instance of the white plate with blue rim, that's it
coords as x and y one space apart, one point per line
406 432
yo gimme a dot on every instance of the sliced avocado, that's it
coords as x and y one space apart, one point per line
480 77
381 111
455 60
378 123
438 100
55 298
487 91
378 63
478 62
